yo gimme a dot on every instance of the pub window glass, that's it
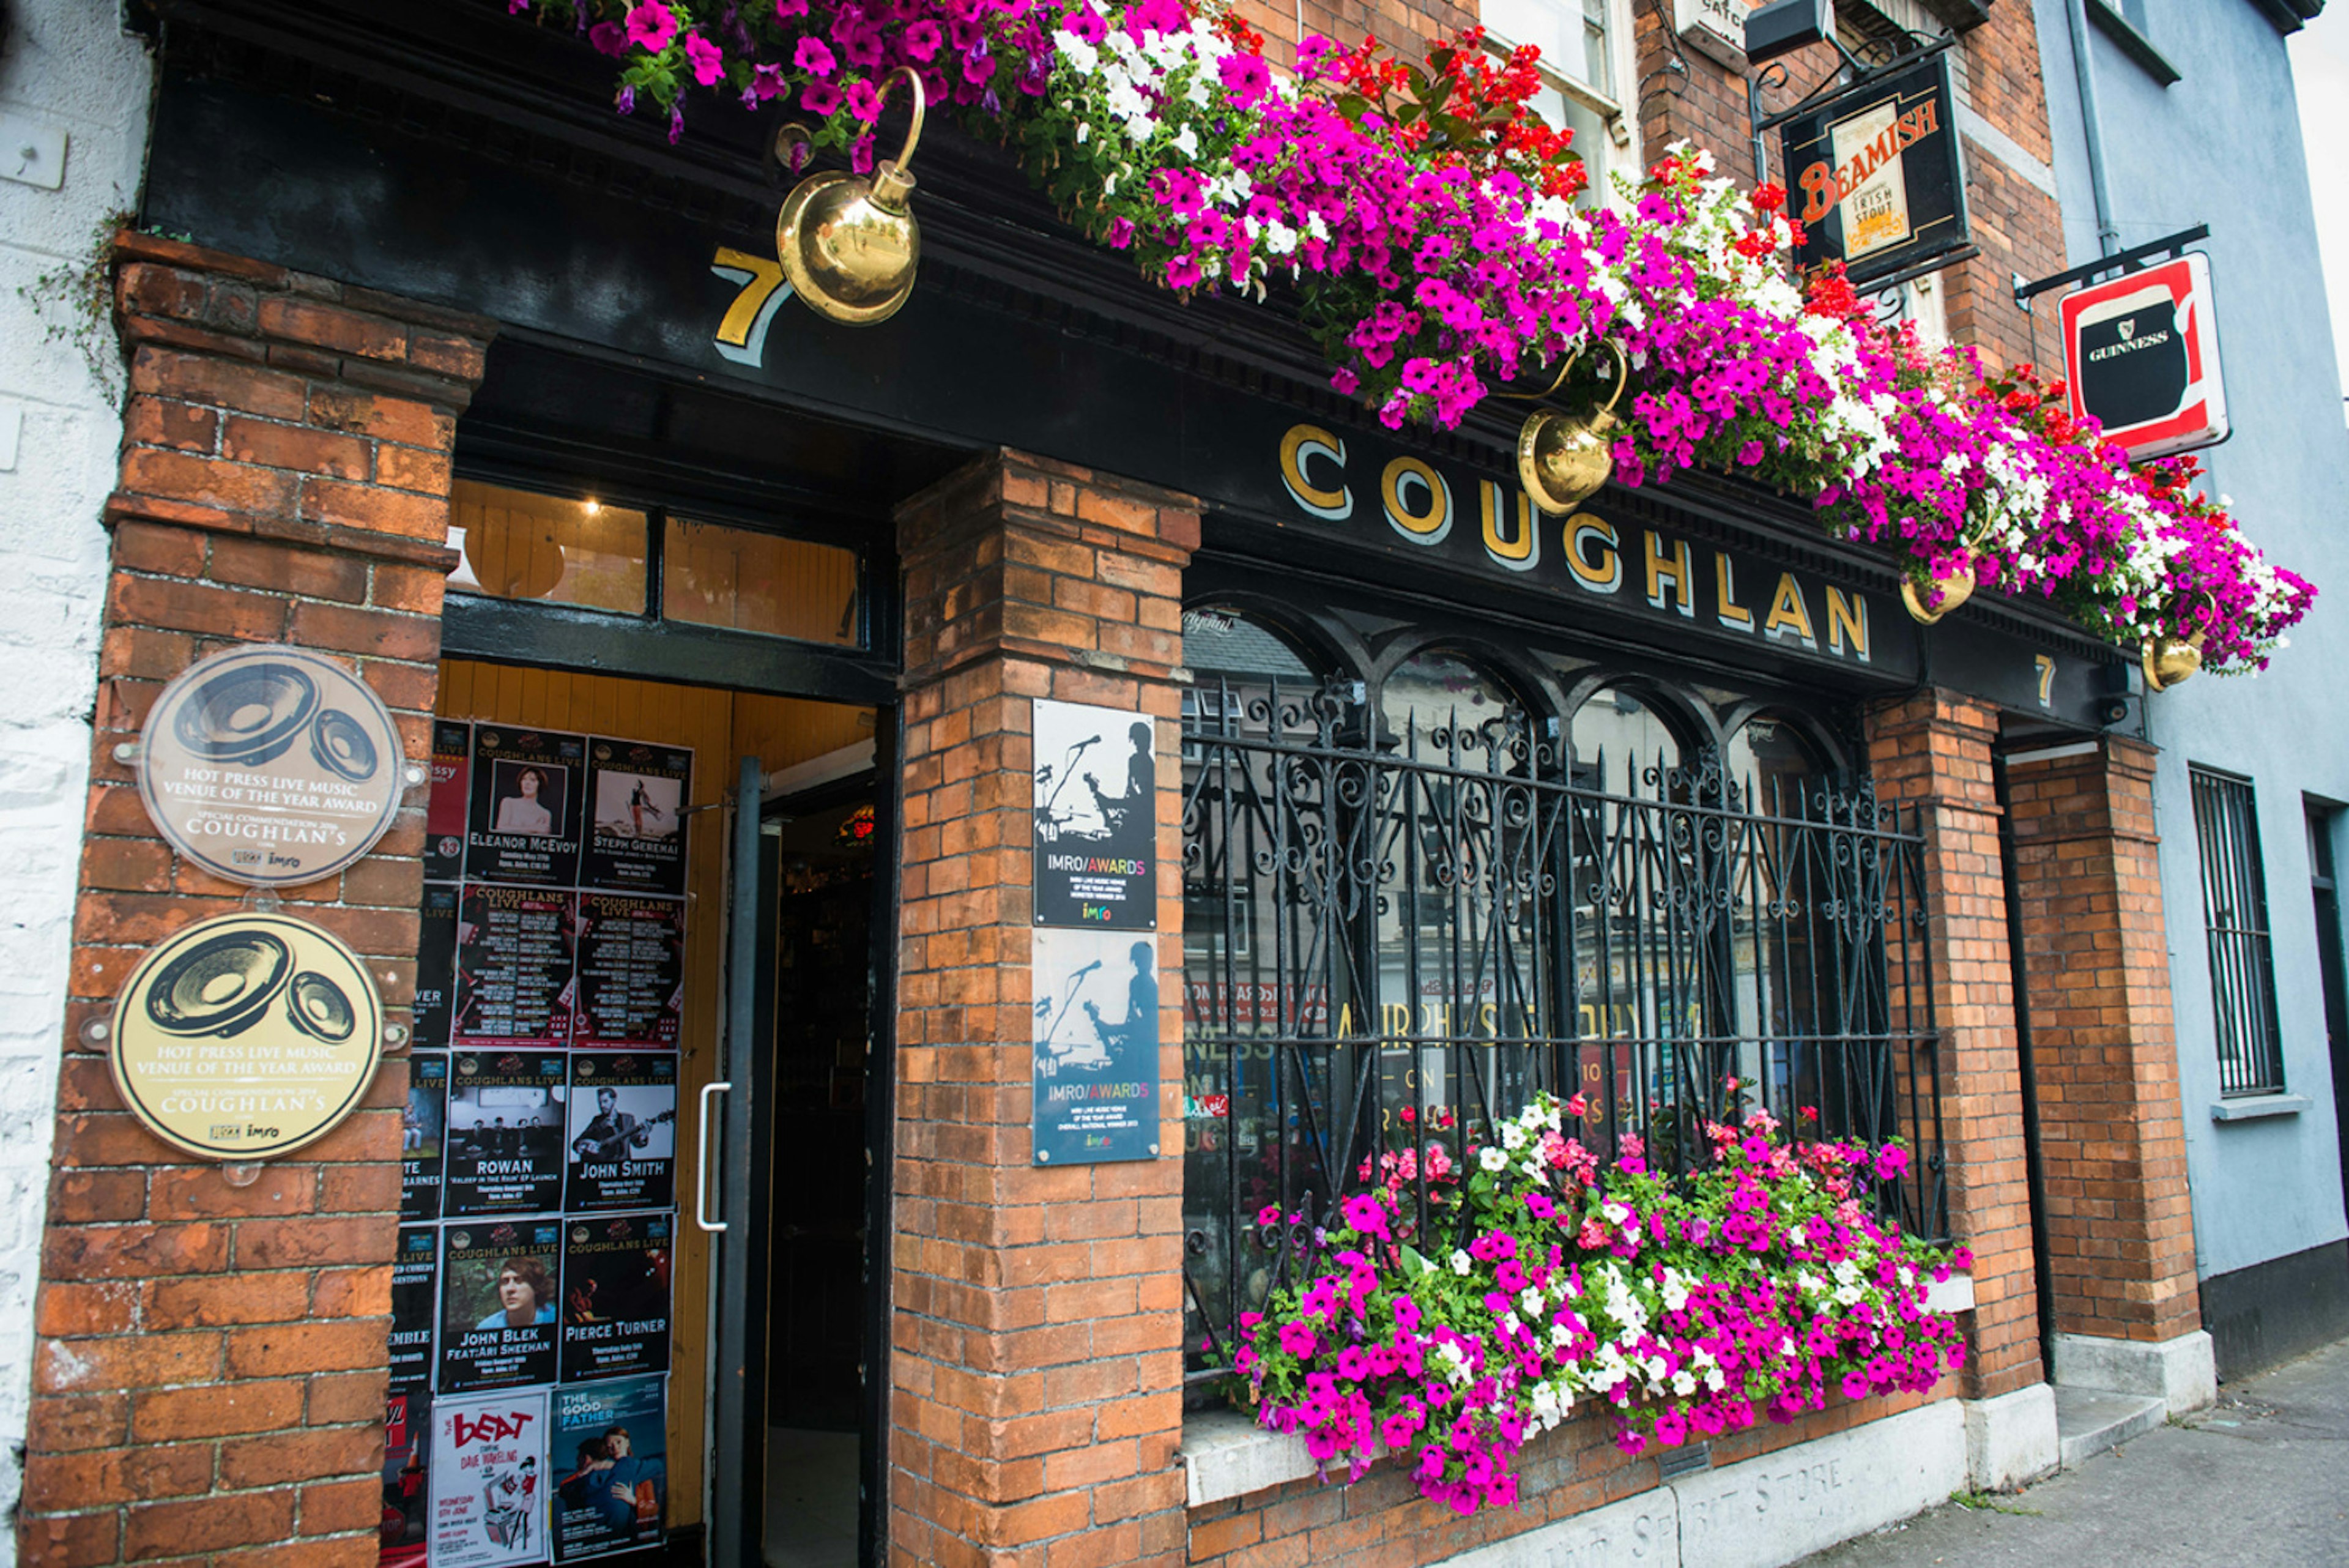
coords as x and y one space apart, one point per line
745 581
1259 962
1457 918
1782 997
519 544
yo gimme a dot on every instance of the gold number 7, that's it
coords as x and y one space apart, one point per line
742 336
2046 679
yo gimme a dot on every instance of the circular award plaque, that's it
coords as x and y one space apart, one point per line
246 1036
271 765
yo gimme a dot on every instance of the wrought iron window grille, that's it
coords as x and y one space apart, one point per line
2235 922
1395 936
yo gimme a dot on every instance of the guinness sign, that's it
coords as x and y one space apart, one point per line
1873 175
2141 352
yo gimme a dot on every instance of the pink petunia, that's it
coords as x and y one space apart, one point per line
652 25
814 57
707 63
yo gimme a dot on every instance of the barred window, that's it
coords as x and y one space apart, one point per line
2235 917
1415 898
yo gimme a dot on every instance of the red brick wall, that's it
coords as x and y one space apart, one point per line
2019 227
210 1371
1037 1342
2112 1135
1932 751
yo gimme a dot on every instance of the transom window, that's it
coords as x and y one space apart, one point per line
1418 892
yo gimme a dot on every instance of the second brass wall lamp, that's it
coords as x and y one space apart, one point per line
850 245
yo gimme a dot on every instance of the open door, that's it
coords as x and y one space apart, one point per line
731 1204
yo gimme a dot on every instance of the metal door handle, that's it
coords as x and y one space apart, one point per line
701 1163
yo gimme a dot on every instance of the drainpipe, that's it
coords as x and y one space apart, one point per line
2075 18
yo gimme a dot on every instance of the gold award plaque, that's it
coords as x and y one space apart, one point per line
246 1036
271 765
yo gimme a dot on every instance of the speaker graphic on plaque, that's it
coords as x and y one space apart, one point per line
271 765
246 1036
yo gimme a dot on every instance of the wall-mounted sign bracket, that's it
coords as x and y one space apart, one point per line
2135 259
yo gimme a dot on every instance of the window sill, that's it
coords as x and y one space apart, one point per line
1227 1455
2132 43
2255 1107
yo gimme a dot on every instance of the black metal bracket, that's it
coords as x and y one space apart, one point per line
1930 265
1835 86
2131 260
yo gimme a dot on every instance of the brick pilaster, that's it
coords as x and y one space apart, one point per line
209 1372
2112 1137
1932 751
1036 1360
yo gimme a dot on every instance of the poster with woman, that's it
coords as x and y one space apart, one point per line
498 1304
608 1455
529 791
637 797
488 1480
615 1295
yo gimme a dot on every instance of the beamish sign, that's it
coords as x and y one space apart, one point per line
2141 352
1873 175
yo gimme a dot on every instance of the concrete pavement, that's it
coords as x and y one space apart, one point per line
2261 1480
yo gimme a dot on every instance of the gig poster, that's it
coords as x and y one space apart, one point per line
407 1452
616 1294
423 1131
513 967
631 972
505 1133
1095 1041
623 1133
498 1303
488 1480
444 814
1096 817
529 788
608 1455
435 967
637 795
415 1279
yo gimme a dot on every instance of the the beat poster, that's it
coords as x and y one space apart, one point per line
528 789
637 795
423 1136
609 1454
498 1303
615 1295
513 967
623 1132
444 817
415 1291
488 1480
505 1133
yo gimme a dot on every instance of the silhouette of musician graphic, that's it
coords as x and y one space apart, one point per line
1130 814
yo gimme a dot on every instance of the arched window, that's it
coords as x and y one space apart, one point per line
1412 899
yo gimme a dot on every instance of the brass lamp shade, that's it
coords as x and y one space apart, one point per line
1562 459
1955 591
849 245
2166 660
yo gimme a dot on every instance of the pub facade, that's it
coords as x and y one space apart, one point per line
916 834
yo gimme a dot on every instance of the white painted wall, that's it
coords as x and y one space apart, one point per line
67 67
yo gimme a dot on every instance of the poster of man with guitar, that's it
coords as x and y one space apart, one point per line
623 1131
1096 816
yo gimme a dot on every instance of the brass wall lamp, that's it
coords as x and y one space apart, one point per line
1562 459
849 245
